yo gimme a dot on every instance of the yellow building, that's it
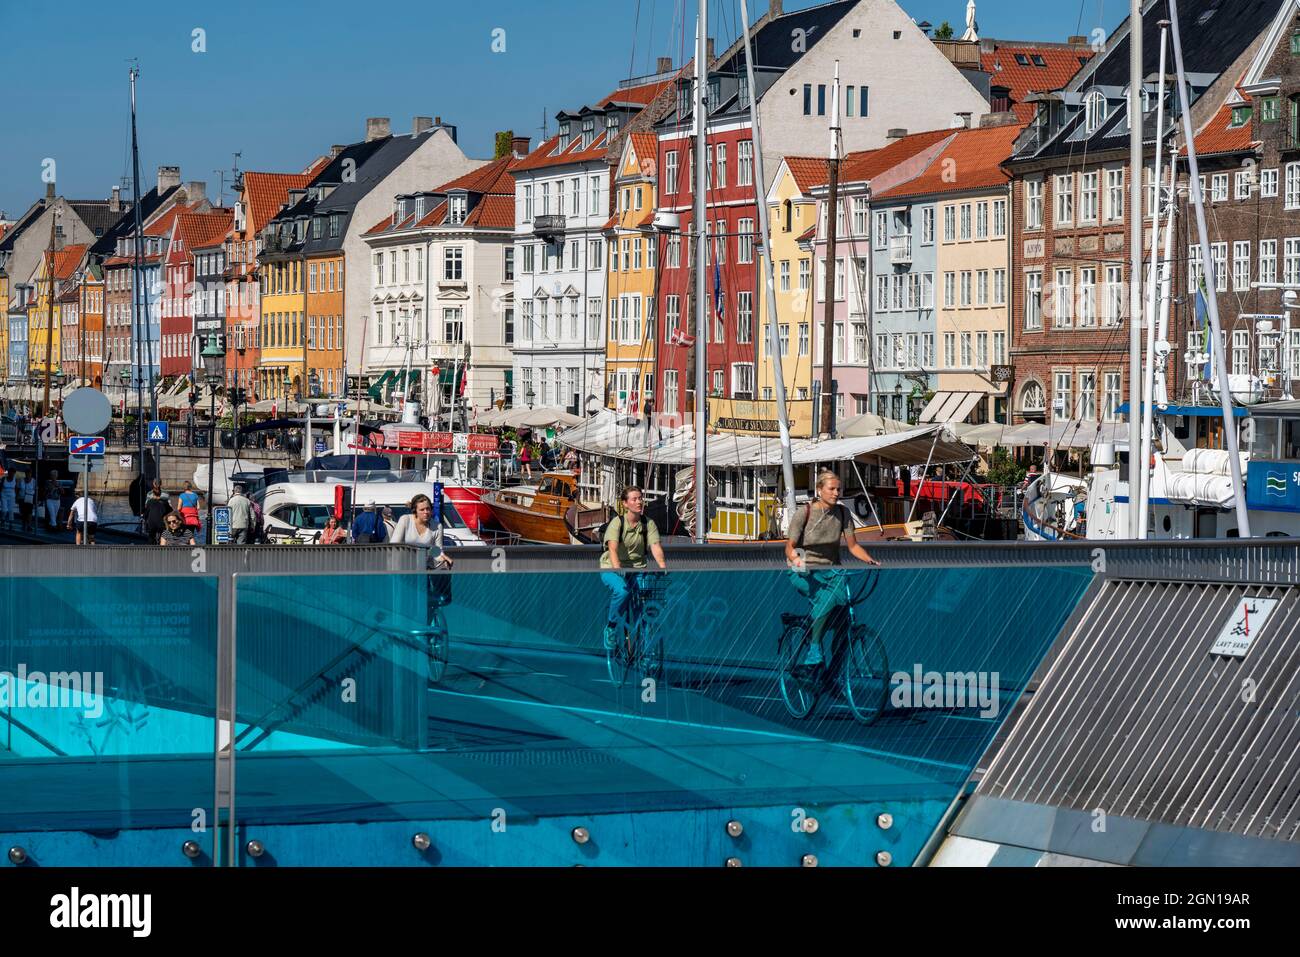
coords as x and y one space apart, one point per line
631 346
792 213
281 327
41 328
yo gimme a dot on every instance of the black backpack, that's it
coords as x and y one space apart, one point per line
604 529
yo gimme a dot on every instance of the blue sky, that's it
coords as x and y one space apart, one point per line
281 80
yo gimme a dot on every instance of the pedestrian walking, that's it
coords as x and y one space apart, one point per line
83 517
9 499
189 508
390 523
157 506
526 459
241 517
53 498
368 527
27 501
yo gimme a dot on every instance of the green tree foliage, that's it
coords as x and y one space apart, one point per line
1003 471
944 32
504 138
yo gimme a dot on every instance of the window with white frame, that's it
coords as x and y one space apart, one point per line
805 273
966 357
745 163
860 215
982 350
670 172
999 348
964 229
1268 179
1242 183
785 275
745 241
950 224
1089 193
453 262
1293 185
1268 261
1219 188
1114 295
950 289
1033 300
882 293
981 220
671 395
1241 266
1033 204
1114 195
1241 352
742 380
950 350
999 287
927 225
1195 267
1291 262
1063 192
744 318
882 351
897 294
1087 296
982 287
1088 395
1062 395
882 230
913 291
1062 300
1111 397
965 288
927 290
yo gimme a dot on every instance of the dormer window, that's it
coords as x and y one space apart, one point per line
742 92
588 131
419 207
1095 110
1022 60
611 125
564 135
1241 116
456 209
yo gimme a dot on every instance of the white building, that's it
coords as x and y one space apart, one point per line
442 291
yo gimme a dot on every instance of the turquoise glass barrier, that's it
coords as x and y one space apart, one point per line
107 690
483 711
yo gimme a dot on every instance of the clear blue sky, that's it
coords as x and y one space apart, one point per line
281 80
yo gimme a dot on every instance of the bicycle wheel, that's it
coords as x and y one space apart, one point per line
866 675
437 647
800 685
619 659
651 660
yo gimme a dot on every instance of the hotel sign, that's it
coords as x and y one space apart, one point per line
759 416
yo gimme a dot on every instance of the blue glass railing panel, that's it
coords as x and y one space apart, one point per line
368 700
107 691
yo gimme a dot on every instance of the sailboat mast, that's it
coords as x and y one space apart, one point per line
140 328
826 423
701 270
1148 381
1136 467
769 281
1211 300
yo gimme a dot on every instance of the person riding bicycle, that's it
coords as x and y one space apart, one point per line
812 550
627 539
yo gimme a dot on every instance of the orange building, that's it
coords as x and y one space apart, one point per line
324 343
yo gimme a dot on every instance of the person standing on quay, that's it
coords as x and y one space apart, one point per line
157 506
8 498
241 517
83 516
27 501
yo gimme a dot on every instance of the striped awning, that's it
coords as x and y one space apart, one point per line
950 406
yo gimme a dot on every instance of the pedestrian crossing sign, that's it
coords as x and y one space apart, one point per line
158 431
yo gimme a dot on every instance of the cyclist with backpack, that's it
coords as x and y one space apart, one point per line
812 550
627 539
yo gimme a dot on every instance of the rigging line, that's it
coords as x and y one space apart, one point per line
636 23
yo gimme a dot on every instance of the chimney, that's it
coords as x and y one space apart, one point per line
519 146
377 127
961 120
336 150
420 124
115 204
998 119
665 65
774 9
196 191
1077 41
168 176
708 50
896 134
49 191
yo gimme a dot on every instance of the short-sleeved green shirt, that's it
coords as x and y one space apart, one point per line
636 541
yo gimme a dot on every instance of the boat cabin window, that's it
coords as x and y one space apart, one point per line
1267 431
553 486
304 516
1291 439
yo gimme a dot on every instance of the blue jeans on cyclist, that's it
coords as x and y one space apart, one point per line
620 596
828 596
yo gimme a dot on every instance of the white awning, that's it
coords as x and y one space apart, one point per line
951 406
607 434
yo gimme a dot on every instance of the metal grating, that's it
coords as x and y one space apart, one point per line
1136 718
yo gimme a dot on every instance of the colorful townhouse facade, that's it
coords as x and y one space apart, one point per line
632 271
43 313
1070 211
443 301
1249 160
883 59
183 299
323 223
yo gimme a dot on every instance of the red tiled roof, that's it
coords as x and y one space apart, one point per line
1061 66
646 146
808 171
1220 136
265 193
490 178
493 212
639 220
808 234
66 260
542 156
643 94
199 230
971 161
867 165
313 169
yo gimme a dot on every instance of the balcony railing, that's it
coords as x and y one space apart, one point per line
548 225
900 250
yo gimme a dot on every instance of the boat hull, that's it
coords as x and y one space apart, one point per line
531 525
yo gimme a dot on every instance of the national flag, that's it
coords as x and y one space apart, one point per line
1203 326
718 302
679 338
464 374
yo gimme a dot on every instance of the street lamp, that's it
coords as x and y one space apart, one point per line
529 396
214 360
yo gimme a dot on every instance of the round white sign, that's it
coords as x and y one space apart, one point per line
87 411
